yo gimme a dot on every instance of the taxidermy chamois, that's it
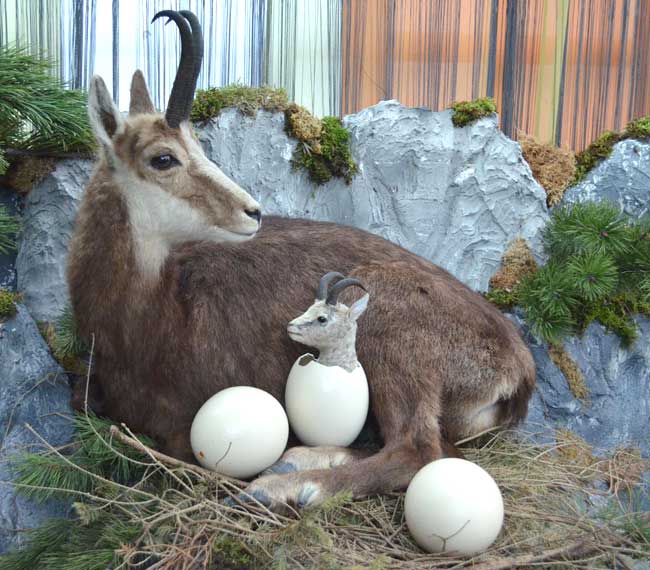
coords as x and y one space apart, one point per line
330 326
186 292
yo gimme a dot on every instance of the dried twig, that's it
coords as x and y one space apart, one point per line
163 458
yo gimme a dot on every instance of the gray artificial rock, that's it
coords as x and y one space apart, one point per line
622 178
455 196
33 390
617 411
47 224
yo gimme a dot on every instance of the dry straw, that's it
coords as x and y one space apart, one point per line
565 508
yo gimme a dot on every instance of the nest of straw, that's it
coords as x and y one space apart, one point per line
564 508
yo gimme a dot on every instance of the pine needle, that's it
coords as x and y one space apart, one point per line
9 228
36 111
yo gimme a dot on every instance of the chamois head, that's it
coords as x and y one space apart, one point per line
174 193
328 325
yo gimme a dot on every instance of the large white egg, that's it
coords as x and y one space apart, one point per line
326 405
239 432
453 505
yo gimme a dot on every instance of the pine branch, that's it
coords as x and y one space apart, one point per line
36 111
594 275
9 228
172 461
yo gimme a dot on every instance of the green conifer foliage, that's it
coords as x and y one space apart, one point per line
598 270
37 113
9 227
94 466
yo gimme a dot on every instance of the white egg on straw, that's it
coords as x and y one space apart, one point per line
240 431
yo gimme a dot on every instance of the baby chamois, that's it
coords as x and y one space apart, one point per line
330 326
186 292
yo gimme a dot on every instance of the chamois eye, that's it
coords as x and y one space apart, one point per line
322 319
164 162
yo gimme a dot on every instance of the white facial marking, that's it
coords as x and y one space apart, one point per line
160 220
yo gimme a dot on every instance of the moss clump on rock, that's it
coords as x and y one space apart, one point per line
8 302
466 112
638 129
324 145
517 262
26 172
210 102
570 370
328 157
602 147
553 167
595 152
302 125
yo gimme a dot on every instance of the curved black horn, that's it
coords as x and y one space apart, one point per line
324 283
197 42
180 100
336 290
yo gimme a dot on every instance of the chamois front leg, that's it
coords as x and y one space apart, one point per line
303 458
389 470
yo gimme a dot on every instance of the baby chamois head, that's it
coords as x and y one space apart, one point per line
330 326
173 192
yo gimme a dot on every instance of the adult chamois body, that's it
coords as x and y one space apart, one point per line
186 293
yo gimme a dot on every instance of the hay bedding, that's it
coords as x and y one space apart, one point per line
564 509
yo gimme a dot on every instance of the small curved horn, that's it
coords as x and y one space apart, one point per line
324 284
338 288
180 99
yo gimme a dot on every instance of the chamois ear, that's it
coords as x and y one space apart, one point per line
105 119
358 307
140 99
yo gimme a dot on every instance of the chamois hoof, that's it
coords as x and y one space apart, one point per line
280 468
251 498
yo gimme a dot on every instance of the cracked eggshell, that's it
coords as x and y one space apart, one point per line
326 405
453 505
240 431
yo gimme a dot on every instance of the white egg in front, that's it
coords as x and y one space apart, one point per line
239 432
453 505
326 405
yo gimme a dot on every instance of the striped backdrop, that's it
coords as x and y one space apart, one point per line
561 70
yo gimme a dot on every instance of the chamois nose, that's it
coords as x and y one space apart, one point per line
255 214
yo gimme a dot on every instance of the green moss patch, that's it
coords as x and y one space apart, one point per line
598 269
466 112
602 147
8 302
210 102
328 157
323 148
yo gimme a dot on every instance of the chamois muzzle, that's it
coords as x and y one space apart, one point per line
182 95
338 288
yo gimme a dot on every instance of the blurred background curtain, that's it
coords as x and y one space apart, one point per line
561 70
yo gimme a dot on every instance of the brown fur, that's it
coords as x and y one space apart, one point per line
434 351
